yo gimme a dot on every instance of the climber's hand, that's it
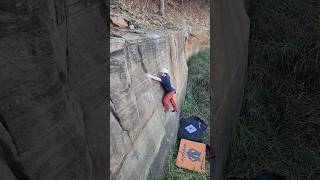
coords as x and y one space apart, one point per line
153 77
175 90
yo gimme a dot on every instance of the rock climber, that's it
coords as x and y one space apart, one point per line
164 79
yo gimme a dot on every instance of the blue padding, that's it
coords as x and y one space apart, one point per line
192 128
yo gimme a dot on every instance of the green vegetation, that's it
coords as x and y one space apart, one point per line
197 103
279 127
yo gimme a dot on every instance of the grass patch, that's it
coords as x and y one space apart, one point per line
279 126
197 103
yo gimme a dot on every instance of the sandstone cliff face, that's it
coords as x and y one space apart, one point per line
52 95
197 41
141 133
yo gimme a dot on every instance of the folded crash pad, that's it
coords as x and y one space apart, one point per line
191 155
192 128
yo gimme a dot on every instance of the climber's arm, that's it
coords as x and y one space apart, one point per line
155 78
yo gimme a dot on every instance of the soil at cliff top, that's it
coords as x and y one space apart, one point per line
192 16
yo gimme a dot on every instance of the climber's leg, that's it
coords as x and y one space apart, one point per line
165 100
174 104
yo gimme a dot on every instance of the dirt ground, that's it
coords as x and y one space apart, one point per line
192 16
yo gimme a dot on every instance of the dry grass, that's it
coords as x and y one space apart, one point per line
192 14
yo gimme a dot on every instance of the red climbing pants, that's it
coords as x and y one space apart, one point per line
166 98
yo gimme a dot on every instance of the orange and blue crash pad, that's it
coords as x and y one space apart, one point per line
191 155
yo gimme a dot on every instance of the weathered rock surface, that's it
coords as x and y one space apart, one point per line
197 41
141 133
52 95
119 21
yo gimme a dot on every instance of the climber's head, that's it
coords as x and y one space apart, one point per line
163 71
